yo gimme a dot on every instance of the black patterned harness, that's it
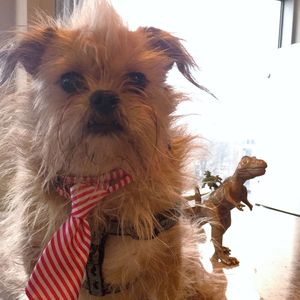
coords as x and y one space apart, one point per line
95 282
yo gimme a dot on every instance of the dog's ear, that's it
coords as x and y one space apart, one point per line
28 52
171 46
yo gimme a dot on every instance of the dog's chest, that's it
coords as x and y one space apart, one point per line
118 255
115 262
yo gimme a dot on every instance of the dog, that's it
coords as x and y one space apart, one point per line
96 107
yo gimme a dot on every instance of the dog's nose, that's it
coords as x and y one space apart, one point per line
104 102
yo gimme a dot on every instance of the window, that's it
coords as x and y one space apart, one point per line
230 41
235 43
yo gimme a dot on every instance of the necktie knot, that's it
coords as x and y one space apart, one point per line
85 197
85 192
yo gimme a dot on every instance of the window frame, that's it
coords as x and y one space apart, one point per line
286 34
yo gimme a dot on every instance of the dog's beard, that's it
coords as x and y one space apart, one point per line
77 141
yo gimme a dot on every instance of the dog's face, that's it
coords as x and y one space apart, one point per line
98 96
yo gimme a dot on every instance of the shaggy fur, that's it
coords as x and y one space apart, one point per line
44 133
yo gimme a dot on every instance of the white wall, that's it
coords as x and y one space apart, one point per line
15 13
7 14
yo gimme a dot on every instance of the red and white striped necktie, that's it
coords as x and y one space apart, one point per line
59 271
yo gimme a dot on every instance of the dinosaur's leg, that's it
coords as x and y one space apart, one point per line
217 232
222 253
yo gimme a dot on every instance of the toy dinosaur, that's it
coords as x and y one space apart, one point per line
230 194
213 181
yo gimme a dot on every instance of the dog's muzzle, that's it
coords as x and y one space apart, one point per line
103 105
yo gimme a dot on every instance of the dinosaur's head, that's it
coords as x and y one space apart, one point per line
250 167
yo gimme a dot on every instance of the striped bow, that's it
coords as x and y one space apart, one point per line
59 271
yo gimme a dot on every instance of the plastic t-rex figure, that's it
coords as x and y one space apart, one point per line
230 194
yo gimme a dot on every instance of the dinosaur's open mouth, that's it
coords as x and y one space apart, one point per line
254 171
261 169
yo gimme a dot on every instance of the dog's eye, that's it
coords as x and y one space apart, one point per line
137 79
72 82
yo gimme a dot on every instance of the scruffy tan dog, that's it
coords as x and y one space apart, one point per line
96 100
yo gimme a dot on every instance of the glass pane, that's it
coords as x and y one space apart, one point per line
232 41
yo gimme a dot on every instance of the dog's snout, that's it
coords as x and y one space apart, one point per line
104 102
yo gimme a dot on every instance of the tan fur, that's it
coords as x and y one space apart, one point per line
43 134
